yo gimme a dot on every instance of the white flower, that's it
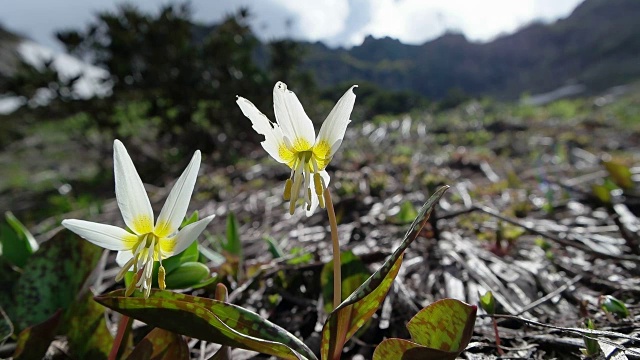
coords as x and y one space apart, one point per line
292 140
149 242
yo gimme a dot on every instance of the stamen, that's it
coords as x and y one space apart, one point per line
131 288
319 185
161 275
124 269
287 190
297 181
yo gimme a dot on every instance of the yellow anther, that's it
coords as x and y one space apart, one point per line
287 190
318 182
161 276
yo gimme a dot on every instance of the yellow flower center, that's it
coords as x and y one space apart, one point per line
305 161
147 249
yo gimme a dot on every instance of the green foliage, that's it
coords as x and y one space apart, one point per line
160 344
209 320
354 273
488 303
16 242
441 330
591 345
34 341
619 173
353 313
406 214
610 304
86 329
51 279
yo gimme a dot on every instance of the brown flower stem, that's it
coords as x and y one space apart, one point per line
337 268
495 330
123 328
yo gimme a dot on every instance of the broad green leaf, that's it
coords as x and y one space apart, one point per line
352 314
16 241
354 274
190 254
187 275
86 329
171 264
441 330
160 344
52 278
34 341
210 320
613 305
620 174
232 245
6 327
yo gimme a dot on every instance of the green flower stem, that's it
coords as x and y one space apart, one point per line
337 269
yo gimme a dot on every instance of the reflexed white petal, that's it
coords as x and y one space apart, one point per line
175 208
123 257
106 236
335 125
272 133
314 196
186 236
132 197
290 114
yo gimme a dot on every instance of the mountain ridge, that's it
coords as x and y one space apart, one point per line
597 45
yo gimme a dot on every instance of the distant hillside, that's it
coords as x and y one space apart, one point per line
598 45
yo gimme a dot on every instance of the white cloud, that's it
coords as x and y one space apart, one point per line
417 21
339 22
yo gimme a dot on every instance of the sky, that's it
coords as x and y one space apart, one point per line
334 22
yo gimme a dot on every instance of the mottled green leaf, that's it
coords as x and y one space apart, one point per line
160 344
441 330
34 341
16 242
86 329
187 275
209 320
352 314
620 174
354 274
444 325
6 327
52 278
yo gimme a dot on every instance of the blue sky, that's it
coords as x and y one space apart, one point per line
335 22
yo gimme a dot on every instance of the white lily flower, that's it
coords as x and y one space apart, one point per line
147 242
292 140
